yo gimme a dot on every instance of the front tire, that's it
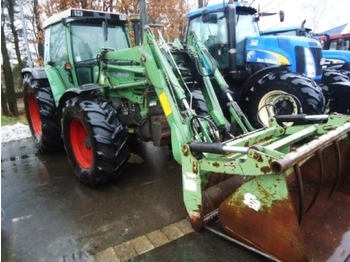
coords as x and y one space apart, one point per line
95 140
283 94
41 114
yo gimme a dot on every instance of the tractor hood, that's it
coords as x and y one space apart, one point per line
276 50
343 56
336 59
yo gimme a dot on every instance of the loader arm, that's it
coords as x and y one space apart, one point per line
123 75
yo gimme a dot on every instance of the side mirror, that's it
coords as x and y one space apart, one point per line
205 16
256 17
281 16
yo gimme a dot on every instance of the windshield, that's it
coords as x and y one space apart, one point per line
87 40
213 33
214 30
246 26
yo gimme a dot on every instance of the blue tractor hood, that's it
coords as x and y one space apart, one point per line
289 51
337 54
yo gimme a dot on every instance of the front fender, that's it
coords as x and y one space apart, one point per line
87 90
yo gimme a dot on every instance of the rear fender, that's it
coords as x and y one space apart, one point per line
36 72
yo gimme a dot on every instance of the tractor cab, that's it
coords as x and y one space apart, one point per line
75 39
211 26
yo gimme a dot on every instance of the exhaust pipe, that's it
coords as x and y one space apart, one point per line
143 11
231 35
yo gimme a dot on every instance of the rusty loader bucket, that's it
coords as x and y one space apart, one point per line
283 192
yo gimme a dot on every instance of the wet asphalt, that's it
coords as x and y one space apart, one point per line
48 215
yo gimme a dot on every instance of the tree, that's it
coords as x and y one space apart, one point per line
10 96
170 14
319 15
202 3
325 13
15 32
40 34
167 12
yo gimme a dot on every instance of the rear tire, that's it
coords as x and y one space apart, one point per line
345 73
283 94
95 140
331 76
336 89
41 114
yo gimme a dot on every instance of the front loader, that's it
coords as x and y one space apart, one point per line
282 191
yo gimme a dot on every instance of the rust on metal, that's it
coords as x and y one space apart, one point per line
213 196
260 142
300 191
330 165
285 229
326 224
320 173
195 167
185 150
338 166
275 230
196 220
216 164
265 169
308 149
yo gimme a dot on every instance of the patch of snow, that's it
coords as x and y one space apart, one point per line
15 132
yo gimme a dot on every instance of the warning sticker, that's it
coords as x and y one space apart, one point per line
189 182
165 104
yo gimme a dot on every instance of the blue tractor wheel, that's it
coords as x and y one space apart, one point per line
283 93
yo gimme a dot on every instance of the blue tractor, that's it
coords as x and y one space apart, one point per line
336 68
268 75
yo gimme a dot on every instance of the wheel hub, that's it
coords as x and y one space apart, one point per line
275 103
285 105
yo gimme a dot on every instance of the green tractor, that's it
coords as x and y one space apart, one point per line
251 186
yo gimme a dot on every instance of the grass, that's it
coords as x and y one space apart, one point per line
10 120
21 118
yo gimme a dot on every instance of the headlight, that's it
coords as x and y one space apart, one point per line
310 66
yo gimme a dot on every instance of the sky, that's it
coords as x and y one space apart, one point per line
320 15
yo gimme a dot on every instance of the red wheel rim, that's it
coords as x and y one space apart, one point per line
81 144
34 115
